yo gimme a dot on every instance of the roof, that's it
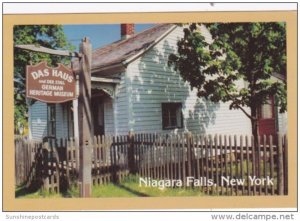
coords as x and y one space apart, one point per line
119 52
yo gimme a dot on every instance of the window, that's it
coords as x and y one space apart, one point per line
266 110
70 116
171 115
51 120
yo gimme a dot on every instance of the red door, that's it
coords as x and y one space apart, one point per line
267 122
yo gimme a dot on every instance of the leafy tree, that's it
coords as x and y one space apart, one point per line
50 36
252 52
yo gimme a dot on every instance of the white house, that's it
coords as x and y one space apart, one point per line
134 89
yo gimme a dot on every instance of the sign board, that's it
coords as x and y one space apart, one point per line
50 85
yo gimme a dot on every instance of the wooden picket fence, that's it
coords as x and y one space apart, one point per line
54 165
217 165
25 158
36 165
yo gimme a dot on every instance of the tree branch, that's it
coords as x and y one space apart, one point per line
248 115
235 100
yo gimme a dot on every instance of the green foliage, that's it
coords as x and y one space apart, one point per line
50 36
239 51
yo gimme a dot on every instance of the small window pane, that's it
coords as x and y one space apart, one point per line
266 110
173 121
171 115
179 117
51 120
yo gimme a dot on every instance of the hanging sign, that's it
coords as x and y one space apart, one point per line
50 85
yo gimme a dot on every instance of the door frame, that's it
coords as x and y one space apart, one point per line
97 102
273 118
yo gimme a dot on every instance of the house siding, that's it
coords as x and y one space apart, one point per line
61 121
282 122
108 117
38 120
150 82
121 112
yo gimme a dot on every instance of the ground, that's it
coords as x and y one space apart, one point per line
129 187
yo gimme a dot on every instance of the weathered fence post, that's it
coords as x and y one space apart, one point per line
189 155
280 166
272 163
85 119
45 176
285 161
57 162
131 160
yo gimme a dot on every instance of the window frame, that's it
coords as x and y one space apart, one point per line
270 103
166 106
51 120
69 110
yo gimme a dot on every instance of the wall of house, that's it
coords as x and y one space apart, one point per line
282 123
37 120
108 116
121 102
61 121
150 82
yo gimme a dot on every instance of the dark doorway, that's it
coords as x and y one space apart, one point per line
98 115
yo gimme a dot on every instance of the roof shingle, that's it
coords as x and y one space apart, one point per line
120 51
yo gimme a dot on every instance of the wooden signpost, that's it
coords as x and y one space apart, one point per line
57 85
85 119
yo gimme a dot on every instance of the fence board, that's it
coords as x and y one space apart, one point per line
236 163
285 165
280 183
242 163
265 162
140 151
152 165
179 157
171 158
248 165
226 163
216 164
231 162
198 158
259 165
272 164
254 172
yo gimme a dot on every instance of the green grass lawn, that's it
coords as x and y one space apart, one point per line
23 192
129 187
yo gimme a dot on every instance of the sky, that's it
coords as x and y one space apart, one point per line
99 35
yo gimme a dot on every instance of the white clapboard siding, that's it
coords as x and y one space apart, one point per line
121 107
282 122
38 120
108 117
61 121
150 82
